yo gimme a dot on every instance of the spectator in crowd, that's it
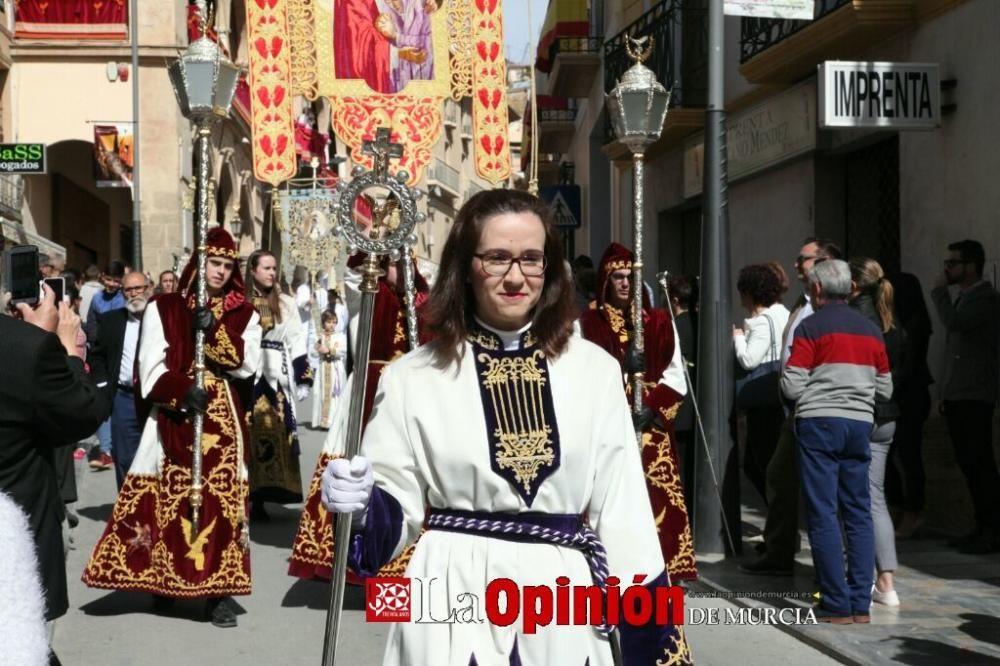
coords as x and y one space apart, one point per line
584 281
781 529
22 600
838 367
167 282
51 265
758 347
91 287
683 299
110 298
64 456
46 400
779 271
113 356
872 296
969 390
912 395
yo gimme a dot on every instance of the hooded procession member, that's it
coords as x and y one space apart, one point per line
609 325
149 544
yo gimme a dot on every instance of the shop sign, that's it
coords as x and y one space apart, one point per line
885 95
22 158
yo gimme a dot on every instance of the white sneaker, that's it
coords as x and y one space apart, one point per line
889 598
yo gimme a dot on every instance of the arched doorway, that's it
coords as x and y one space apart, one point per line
65 205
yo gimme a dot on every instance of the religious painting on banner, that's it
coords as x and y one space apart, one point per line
113 159
381 63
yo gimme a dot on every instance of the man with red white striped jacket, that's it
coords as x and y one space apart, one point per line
837 367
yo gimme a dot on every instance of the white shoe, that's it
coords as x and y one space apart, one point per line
889 598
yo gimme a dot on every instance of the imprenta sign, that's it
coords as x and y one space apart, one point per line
889 95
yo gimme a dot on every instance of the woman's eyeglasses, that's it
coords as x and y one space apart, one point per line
497 263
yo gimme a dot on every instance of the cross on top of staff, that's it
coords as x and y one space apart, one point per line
382 149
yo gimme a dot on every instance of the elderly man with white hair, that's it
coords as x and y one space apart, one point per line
837 367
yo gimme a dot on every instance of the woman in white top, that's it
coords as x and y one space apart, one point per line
758 342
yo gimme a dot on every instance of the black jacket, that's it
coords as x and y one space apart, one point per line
886 410
46 401
105 356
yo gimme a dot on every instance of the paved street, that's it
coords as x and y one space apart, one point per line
283 618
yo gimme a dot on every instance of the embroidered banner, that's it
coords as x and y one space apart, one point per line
71 19
270 84
489 99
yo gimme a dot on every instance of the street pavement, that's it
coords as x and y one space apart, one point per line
282 622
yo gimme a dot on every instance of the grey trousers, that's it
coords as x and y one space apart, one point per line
885 536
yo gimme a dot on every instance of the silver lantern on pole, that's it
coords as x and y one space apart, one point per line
204 81
637 107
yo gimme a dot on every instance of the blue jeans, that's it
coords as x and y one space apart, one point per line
834 456
126 431
104 437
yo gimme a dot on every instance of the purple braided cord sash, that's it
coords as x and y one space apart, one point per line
566 530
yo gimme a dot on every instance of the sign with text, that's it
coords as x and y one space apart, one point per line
887 95
777 9
22 158
762 136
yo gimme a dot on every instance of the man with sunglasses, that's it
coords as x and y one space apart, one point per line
969 309
608 324
114 354
781 528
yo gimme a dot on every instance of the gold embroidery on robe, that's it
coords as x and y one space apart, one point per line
523 437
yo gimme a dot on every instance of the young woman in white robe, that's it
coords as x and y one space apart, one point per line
283 378
330 352
505 417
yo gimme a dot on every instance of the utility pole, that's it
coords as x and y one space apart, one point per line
715 348
136 200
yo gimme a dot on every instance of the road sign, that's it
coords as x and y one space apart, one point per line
565 200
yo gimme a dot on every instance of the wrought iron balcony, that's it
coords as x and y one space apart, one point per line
758 34
679 30
555 129
576 61
11 196
444 175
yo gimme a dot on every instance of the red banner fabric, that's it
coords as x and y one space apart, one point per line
71 19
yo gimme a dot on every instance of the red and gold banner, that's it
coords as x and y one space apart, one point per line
489 92
270 84
390 63
71 19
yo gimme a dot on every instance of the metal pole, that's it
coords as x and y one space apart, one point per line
715 355
638 339
204 131
370 274
410 300
136 199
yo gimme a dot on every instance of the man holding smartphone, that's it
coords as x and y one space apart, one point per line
46 401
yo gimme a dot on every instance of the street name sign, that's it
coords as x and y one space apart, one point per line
886 95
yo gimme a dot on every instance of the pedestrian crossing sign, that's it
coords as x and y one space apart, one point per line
565 201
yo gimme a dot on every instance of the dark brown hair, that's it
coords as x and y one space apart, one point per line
760 283
327 315
273 296
451 308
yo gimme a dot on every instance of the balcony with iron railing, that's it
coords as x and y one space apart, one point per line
679 59
575 63
556 127
452 114
11 196
782 51
444 176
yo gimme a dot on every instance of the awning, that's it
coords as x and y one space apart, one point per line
565 18
71 19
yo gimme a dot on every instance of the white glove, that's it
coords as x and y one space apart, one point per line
302 392
347 487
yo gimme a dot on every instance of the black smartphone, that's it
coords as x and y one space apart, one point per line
58 287
21 274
